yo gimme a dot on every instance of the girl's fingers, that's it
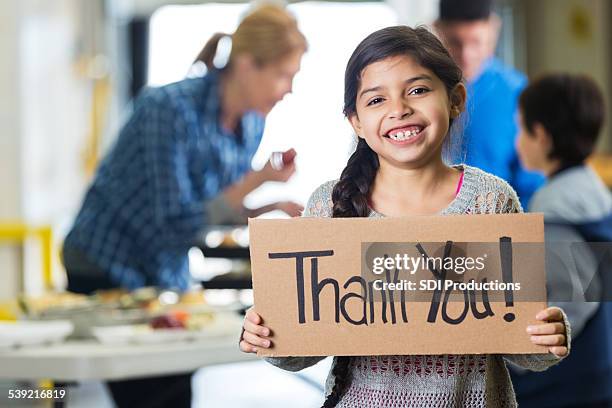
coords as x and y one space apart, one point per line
256 329
551 314
252 316
549 340
550 334
247 348
548 328
254 340
558 351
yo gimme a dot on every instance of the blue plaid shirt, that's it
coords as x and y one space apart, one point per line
148 200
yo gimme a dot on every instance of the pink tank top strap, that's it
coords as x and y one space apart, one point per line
459 184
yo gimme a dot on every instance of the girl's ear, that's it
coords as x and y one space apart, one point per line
457 100
356 124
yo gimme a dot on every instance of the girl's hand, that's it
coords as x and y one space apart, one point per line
552 333
254 335
269 173
290 208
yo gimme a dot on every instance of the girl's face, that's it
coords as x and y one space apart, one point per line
532 147
403 111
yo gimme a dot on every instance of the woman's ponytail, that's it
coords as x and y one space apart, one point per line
208 53
268 34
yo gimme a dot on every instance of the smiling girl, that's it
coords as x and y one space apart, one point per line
403 92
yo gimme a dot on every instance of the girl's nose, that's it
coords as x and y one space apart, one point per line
399 110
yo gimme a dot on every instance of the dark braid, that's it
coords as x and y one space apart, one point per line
341 381
351 193
350 198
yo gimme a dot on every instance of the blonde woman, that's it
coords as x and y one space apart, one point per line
181 162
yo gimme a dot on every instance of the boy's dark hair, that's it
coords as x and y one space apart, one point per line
465 10
350 195
571 108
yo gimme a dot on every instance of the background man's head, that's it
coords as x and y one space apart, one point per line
469 29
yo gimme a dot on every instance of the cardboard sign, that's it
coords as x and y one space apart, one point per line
463 284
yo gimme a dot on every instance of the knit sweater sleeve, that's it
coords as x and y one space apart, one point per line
320 202
319 205
541 362
507 202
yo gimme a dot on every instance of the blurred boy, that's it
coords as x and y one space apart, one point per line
560 118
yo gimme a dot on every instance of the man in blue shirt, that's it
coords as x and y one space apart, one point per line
470 30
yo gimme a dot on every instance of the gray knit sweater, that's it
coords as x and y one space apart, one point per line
431 381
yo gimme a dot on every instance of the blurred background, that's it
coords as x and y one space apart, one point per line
69 70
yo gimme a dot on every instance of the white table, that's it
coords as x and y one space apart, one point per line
90 360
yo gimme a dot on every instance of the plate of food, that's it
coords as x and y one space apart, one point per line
173 326
115 307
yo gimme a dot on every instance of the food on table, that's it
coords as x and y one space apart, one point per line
167 321
199 321
180 319
108 296
193 297
151 307
31 305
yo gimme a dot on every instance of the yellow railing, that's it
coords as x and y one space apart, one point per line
19 232
99 108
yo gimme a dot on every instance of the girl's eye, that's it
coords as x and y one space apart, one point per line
418 91
375 101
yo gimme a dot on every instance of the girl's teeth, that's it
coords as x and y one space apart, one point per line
404 135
